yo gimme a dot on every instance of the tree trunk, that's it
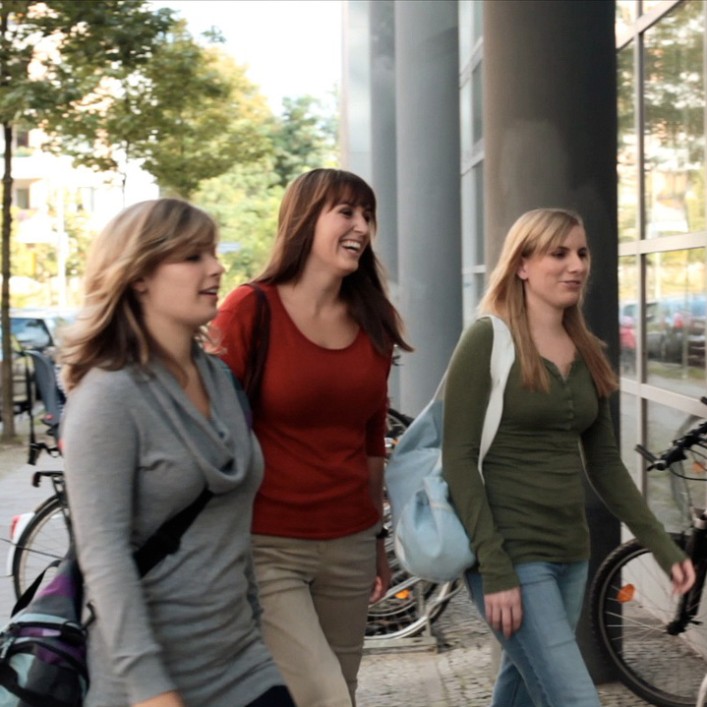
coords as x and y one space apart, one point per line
8 412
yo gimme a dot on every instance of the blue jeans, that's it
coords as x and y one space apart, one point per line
541 664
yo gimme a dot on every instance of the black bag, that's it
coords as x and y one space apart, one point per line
43 647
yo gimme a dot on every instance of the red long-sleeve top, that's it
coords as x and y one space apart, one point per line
320 415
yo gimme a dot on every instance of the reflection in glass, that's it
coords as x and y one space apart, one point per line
629 411
465 29
670 496
477 109
627 158
625 16
478 20
465 128
674 113
629 314
478 172
675 320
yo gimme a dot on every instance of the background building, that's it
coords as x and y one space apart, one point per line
464 114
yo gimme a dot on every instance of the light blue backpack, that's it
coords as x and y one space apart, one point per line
430 540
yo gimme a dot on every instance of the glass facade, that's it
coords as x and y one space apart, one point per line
662 237
472 152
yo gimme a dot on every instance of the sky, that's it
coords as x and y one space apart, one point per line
291 47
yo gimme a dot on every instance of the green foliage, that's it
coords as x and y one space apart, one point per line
244 203
246 199
305 137
53 54
188 114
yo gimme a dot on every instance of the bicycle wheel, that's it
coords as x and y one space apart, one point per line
46 538
409 603
632 603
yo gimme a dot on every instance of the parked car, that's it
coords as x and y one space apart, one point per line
675 328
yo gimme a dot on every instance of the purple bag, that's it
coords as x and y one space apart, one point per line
43 647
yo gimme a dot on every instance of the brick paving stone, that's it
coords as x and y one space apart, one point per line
457 675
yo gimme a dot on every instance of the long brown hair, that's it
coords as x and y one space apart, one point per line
110 331
537 232
363 290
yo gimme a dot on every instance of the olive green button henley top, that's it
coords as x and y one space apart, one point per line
530 507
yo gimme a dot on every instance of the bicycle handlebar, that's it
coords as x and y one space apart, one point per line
676 452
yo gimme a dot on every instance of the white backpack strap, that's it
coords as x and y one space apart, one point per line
502 357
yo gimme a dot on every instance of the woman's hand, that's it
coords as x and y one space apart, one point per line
166 699
504 611
683 576
382 581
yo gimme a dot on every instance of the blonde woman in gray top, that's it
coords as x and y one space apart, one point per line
151 419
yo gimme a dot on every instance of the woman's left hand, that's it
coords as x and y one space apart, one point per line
382 582
683 576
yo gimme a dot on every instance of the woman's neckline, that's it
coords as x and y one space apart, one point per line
304 337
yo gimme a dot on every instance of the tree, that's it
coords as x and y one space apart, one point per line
52 55
246 199
305 137
244 203
188 114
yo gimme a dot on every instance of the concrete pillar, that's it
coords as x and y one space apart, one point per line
429 222
383 153
550 140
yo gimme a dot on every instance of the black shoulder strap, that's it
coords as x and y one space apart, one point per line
259 343
166 539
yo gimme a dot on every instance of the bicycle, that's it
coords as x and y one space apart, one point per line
658 641
44 535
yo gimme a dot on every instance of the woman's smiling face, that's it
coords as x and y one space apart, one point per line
341 234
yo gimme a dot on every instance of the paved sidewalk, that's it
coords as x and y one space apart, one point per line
457 675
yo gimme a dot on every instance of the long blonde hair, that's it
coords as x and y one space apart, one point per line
110 331
537 232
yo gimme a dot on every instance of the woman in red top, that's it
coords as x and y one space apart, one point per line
320 418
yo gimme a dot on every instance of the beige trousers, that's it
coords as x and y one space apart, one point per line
314 595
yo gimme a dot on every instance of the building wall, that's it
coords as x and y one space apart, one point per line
539 125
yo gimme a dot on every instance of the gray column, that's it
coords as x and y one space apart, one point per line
429 230
383 161
550 140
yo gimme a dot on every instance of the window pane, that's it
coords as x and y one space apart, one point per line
465 29
674 110
628 146
477 96
478 173
629 313
675 320
465 123
625 17
669 496
478 20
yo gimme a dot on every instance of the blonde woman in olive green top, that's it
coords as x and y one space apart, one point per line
526 517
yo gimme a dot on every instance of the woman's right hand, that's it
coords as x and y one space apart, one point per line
166 699
504 611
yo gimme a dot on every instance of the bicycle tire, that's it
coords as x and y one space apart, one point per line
46 538
631 603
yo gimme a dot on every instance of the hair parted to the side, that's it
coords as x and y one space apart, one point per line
306 198
110 332
537 232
